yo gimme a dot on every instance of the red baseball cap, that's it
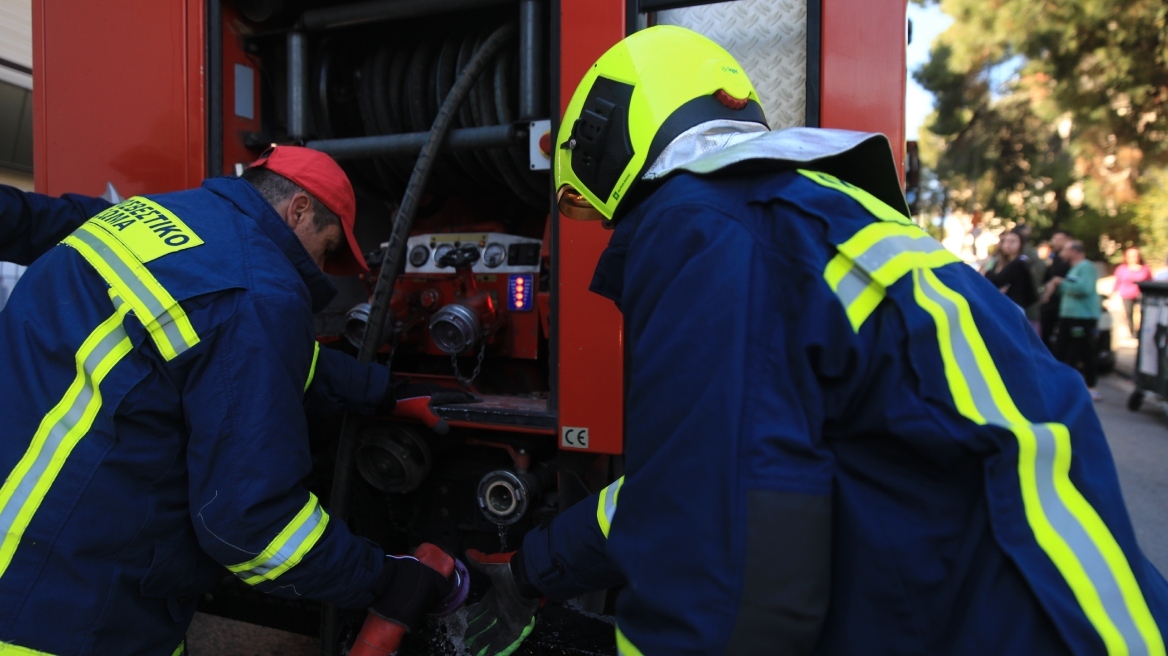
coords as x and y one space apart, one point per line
321 176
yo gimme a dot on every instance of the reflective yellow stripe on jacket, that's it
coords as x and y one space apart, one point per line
312 369
114 261
605 511
875 258
874 205
60 431
624 647
288 548
606 505
1065 525
878 255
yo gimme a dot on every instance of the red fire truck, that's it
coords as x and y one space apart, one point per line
490 290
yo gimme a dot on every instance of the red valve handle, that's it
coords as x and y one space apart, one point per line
381 637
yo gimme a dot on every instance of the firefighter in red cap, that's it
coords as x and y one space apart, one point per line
158 361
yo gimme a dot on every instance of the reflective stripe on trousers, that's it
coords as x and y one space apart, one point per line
288 548
60 431
1065 525
606 505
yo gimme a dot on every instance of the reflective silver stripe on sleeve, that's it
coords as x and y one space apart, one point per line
887 248
290 547
852 285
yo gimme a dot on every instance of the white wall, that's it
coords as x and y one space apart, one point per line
16 40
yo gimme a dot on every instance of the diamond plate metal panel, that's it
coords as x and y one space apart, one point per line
769 39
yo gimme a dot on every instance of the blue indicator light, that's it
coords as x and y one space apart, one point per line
520 293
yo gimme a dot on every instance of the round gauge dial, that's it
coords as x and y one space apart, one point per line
441 250
419 255
494 255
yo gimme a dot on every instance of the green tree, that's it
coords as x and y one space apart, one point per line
991 148
1150 216
1067 139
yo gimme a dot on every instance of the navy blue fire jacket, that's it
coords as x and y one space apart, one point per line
31 224
842 440
156 363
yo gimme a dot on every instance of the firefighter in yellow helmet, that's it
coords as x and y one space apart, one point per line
837 442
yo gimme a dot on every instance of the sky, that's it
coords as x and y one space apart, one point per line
927 24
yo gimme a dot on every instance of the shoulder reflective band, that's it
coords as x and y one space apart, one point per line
60 431
17 650
624 647
180 649
146 228
874 205
858 293
1065 526
288 548
606 505
874 259
312 369
160 314
888 251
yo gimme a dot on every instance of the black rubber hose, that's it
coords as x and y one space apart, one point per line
392 258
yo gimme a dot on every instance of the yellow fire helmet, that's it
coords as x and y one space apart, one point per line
636 99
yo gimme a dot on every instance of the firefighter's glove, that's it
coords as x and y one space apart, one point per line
498 624
412 590
415 402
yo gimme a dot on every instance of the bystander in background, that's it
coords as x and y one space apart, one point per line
1127 275
1010 272
1079 310
1037 263
1049 313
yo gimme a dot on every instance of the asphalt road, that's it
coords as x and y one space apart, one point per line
1139 444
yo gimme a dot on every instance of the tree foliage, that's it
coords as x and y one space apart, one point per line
1051 111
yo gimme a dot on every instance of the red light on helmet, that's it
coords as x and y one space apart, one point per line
729 100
